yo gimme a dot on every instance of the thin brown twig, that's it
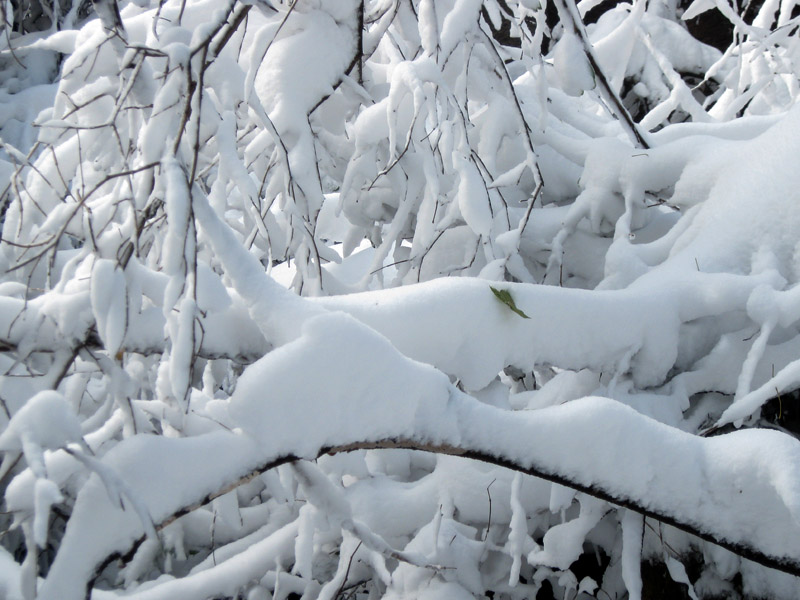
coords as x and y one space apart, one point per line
347 572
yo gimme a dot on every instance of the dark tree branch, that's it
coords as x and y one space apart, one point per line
595 490
570 18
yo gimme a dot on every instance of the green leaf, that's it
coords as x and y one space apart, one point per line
504 296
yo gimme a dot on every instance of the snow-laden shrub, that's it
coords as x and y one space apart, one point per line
345 298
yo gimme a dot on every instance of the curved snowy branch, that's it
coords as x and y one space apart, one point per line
595 445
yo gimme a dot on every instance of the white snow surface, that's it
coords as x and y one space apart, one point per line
236 236
46 422
671 473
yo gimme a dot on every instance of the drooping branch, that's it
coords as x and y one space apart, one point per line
638 464
533 468
779 563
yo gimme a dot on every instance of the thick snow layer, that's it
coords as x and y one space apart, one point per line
285 83
148 465
573 71
365 361
506 276
701 482
46 421
640 324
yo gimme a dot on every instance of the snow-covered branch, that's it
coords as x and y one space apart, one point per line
500 268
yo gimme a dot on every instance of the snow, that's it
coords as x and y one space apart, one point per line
132 462
473 199
573 71
457 23
221 263
498 337
45 422
229 575
109 303
676 473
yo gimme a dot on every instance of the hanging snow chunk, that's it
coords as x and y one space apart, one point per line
473 199
109 296
574 74
458 23
46 421
697 8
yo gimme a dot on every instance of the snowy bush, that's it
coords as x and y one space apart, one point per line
398 299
